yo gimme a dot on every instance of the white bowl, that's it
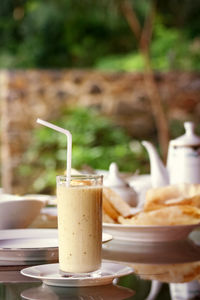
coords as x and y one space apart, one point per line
48 199
17 211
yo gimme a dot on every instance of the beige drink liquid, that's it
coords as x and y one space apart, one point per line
79 227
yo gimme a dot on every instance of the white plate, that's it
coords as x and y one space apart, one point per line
149 233
49 274
23 246
106 237
28 245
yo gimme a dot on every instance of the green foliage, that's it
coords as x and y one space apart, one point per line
165 55
128 62
94 33
96 142
60 33
182 14
171 49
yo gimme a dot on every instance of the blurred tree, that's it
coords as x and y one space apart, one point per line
143 34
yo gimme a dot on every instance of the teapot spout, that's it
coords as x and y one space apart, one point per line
159 174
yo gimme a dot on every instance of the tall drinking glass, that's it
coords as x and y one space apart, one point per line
79 223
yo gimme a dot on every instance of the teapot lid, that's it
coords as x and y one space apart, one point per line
113 179
187 139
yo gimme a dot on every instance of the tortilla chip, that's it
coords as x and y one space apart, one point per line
182 194
165 216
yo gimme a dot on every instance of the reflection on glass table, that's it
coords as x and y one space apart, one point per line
176 263
153 253
93 293
160 268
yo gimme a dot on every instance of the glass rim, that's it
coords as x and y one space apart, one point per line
80 176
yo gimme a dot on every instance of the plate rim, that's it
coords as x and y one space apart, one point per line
130 270
148 227
153 233
106 237
27 230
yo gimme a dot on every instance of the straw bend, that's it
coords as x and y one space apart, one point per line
69 143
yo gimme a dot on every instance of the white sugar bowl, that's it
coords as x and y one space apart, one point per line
114 181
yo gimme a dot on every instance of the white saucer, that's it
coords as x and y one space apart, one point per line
49 274
28 245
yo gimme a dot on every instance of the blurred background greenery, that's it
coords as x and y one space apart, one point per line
95 34
97 142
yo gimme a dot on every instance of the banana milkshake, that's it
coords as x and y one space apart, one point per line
79 223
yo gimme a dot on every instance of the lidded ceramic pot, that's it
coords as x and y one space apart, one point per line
183 160
114 181
184 157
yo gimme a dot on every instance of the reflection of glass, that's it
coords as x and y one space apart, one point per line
45 292
79 223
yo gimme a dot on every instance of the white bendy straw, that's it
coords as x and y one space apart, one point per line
69 144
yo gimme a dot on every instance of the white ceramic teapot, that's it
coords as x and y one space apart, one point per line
114 181
183 160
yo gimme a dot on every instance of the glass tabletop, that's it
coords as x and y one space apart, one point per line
161 270
16 286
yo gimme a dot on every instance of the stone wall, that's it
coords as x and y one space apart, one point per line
27 95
